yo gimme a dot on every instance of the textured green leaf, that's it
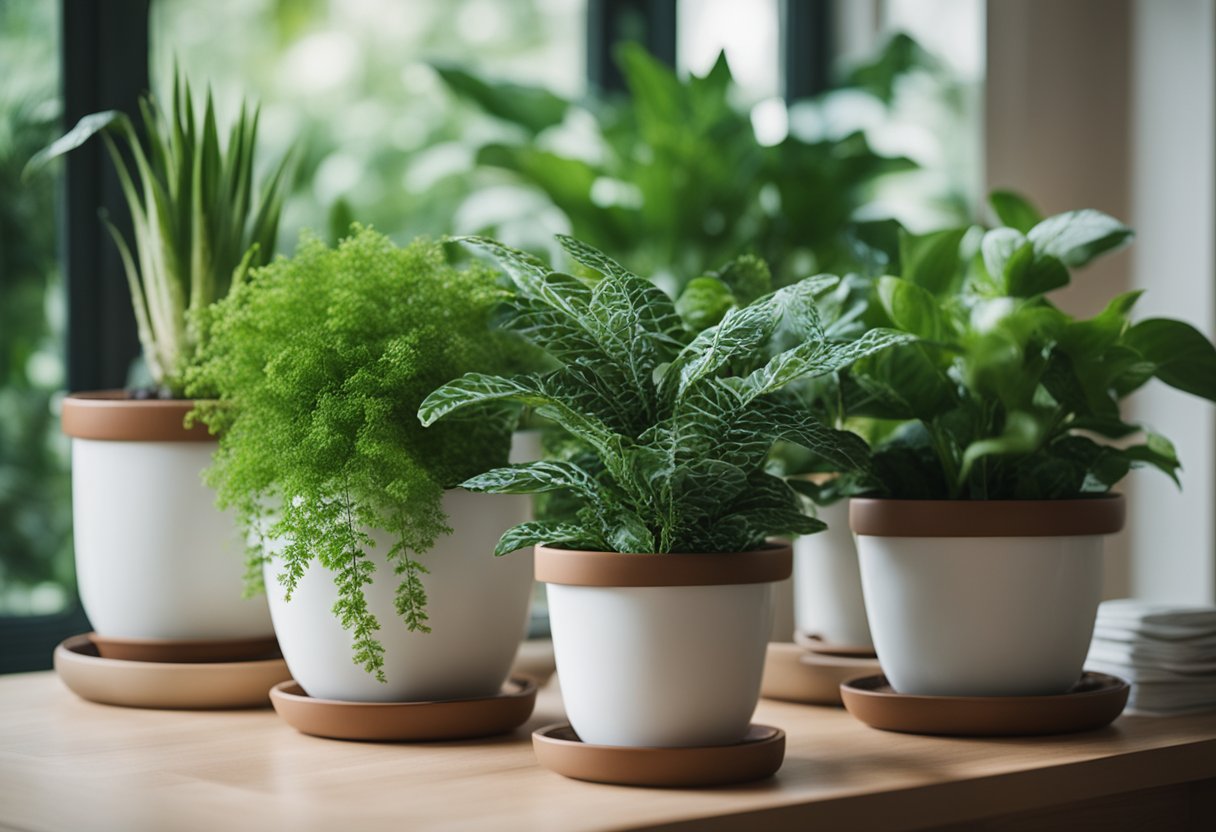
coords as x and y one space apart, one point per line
1077 237
1184 358
704 302
1014 210
910 308
813 359
533 108
536 532
932 260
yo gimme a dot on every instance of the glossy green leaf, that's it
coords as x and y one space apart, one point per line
1014 210
1183 357
910 307
1077 237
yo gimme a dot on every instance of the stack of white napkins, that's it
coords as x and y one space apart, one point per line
1168 653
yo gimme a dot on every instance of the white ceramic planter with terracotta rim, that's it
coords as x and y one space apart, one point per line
155 559
828 600
661 651
477 606
983 598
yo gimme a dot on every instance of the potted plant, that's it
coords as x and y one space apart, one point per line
379 573
154 558
660 585
981 548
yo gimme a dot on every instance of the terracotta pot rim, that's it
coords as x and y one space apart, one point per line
110 415
574 567
880 517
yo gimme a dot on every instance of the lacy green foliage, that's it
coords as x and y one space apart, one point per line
679 182
1004 396
200 218
677 426
321 362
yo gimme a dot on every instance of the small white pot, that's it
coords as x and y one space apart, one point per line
983 598
155 558
660 650
477 603
828 600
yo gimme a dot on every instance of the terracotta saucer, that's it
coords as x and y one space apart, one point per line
760 754
174 685
816 644
1095 701
179 651
794 675
450 719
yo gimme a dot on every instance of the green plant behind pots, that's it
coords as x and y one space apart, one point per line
674 177
679 426
321 362
200 214
1005 396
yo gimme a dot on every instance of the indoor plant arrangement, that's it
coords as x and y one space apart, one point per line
981 548
660 585
321 362
155 559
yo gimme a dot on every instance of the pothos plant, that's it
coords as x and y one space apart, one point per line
321 362
1004 395
678 426
201 215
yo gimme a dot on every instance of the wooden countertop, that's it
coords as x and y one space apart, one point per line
70 764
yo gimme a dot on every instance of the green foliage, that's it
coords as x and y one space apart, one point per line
321 362
200 220
677 426
1005 396
675 178
35 492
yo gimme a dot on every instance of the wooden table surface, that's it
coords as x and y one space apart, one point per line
67 764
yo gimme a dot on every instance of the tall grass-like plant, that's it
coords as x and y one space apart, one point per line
201 217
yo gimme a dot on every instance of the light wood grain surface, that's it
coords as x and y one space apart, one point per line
70 764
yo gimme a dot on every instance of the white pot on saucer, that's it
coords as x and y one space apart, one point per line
828 599
983 598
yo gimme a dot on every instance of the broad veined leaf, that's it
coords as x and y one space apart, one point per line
1077 237
536 532
1030 272
931 261
997 248
1156 451
533 108
478 388
1089 338
818 358
533 478
1183 357
910 307
1014 210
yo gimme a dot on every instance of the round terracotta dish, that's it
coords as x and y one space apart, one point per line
186 651
170 685
1095 701
451 719
760 754
791 674
816 644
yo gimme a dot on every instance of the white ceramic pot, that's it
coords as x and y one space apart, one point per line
828 600
155 558
477 603
660 650
992 598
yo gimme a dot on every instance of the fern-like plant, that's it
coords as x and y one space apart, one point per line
321 362
200 216
678 425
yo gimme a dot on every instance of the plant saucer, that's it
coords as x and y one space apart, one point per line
794 675
1095 701
186 650
759 755
449 719
173 685
817 644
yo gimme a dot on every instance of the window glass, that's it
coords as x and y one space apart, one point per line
348 86
747 32
36 575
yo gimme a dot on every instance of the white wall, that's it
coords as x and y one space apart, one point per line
1173 94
